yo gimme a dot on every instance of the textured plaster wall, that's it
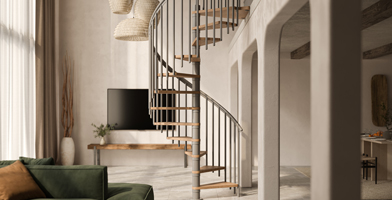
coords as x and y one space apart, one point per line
85 30
101 62
370 68
294 111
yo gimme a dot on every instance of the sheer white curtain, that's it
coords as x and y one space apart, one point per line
17 78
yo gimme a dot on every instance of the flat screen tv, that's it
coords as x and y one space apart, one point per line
129 109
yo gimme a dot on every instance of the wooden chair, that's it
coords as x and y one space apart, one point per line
368 162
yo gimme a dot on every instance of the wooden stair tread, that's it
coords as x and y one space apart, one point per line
182 75
175 92
189 139
216 185
211 25
176 124
210 168
189 153
202 41
194 58
175 108
242 12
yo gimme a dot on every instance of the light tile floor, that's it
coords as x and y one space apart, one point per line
175 183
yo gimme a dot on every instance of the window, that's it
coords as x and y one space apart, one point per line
17 78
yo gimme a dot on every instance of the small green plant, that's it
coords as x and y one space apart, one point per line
103 130
387 117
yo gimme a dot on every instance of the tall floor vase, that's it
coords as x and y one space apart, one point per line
67 151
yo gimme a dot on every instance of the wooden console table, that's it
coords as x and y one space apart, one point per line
98 147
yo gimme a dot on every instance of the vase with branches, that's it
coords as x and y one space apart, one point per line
67 116
102 130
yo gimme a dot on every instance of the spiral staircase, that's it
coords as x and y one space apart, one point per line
219 134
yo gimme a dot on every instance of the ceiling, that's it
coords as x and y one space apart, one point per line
296 31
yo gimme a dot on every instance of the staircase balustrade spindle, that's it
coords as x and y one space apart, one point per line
213 16
207 130
206 11
167 69
238 5
161 89
232 17
219 140
190 30
182 34
221 21
228 18
225 146
213 137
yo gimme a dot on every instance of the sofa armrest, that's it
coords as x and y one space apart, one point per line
126 191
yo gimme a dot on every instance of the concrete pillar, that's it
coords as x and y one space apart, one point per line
245 116
335 99
268 97
268 140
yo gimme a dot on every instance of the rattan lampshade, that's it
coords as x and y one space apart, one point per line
145 8
132 29
122 7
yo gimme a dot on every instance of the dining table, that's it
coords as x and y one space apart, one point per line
382 149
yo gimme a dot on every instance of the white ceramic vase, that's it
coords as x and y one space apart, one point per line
67 150
103 141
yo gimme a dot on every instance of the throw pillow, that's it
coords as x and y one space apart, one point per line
8 162
33 161
17 183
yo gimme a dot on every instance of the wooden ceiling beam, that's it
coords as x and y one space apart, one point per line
378 52
301 52
376 13
370 16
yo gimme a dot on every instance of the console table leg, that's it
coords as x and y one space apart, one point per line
98 157
185 160
95 155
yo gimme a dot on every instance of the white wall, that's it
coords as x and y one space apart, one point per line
85 30
382 65
294 111
295 104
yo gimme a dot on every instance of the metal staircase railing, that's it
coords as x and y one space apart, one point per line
166 96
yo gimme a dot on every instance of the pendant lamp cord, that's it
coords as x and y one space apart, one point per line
133 8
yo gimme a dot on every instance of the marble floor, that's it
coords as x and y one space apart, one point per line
174 183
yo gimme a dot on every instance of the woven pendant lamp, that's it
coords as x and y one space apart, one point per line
145 8
132 29
121 7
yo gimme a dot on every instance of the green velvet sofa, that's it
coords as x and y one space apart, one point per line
85 182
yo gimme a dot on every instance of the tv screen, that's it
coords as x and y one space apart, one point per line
129 109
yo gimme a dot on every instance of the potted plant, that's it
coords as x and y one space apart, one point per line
103 130
388 121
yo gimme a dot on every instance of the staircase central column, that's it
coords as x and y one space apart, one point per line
195 113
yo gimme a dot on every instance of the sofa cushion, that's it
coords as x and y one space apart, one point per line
8 162
41 161
125 191
78 181
17 183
